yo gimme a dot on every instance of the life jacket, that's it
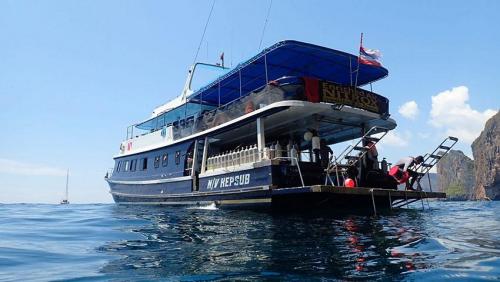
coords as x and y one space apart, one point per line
398 174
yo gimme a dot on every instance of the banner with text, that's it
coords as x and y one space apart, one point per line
329 92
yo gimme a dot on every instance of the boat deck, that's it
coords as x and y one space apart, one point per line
358 198
361 191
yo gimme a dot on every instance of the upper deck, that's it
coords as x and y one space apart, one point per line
294 70
287 59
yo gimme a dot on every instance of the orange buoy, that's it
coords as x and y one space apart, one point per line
348 182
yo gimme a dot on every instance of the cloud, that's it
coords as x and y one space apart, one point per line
395 139
451 112
409 110
424 135
20 168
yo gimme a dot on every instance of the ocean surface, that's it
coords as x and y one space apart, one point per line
458 241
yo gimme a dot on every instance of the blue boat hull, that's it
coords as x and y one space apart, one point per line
250 187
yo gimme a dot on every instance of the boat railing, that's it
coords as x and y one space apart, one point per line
184 127
250 154
230 111
261 97
246 93
266 94
341 155
109 173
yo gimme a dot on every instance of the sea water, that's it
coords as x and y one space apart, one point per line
450 241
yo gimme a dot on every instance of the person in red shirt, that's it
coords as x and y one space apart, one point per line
404 169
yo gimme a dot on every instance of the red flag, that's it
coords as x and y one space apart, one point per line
368 56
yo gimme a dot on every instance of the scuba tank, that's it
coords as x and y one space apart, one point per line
293 155
272 151
288 149
245 155
255 153
383 165
265 154
279 153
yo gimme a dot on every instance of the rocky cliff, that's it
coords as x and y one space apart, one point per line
456 176
434 186
486 151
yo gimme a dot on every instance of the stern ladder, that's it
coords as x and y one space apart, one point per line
352 154
430 160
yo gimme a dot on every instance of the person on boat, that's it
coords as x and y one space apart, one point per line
316 146
189 163
325 153
403 170
371 159
249 106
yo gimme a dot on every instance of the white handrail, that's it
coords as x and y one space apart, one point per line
251 155
298 166
109 172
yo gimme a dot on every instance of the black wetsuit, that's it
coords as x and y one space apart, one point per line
405 164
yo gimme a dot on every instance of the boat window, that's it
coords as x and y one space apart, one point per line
144 163
164 160
157 161
133 165
126 165
118 166
177 157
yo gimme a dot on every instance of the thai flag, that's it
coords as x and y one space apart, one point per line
369 56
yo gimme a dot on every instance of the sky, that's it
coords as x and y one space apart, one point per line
75 74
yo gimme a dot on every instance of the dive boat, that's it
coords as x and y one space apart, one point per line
245 139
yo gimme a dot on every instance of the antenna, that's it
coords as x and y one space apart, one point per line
265 23
231 47
204 30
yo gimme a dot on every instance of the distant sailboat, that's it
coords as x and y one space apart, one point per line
65 201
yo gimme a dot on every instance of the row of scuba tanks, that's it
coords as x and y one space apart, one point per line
251 154
248 154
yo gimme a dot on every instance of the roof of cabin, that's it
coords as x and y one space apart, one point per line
288 58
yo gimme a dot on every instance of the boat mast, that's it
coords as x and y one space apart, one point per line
67 180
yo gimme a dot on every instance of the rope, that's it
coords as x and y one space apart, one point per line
204 30
265 23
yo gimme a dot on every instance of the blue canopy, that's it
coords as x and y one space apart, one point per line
287 58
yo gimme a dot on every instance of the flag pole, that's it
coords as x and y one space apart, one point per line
350 69
359 54
222 59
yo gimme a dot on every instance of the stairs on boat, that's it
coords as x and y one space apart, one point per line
352 154
430 160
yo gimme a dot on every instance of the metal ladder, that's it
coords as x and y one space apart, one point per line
352 154
430 160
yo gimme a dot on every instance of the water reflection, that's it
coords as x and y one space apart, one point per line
187 244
